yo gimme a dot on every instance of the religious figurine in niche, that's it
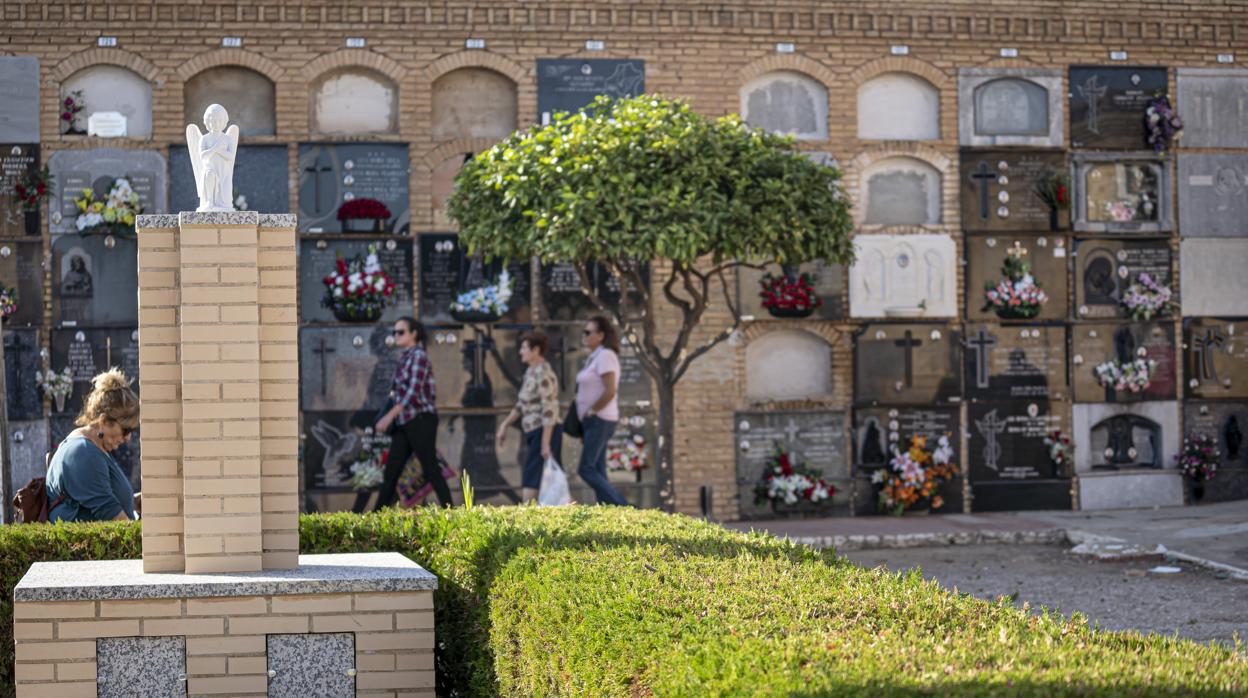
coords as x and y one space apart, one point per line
212 158
1098 282
1234 438
76 282
872 449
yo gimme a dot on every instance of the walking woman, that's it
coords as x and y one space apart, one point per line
597 405
84 481
415 413
537 408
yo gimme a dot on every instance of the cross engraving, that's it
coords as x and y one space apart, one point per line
985 175
1204 347
792 430
317 171
981 344
908 343
989 427
321 352
1093 91
1017 251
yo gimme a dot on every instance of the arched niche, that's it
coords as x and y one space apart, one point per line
473 103
111 88
248 96
898 107
443 185
901 191
788 103
788 365
1011 107
354 100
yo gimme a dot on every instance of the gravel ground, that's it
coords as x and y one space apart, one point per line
1119 595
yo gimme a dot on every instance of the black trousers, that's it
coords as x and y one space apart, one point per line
418 437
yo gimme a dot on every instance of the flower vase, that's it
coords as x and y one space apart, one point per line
32 222
791 312
372 314
364 225
1054 220
473 316
59 399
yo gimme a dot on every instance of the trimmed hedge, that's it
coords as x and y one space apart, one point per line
619 602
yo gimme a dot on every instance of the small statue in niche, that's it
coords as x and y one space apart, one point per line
1124 345
872 452
1120 450
212 157
1234 438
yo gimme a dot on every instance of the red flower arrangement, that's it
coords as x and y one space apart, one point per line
362 208
789 295
33 188
70 106
358 290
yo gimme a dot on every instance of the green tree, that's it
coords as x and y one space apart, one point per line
644 180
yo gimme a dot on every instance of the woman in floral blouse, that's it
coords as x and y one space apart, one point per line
538 411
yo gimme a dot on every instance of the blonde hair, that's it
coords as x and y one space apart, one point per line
110 397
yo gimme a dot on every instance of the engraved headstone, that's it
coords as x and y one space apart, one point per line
1015 362
317 258
829 281
569 84
1211 103
446 272
1107 104
89 351
1220 286
998 190
21 360
346 368
1009 464
76 170
21 267
331 442
903 276
1226 423
475 368
1046 256
812 437
17 160
902 191
1106 269
1097 344
1213 195
906 365
94 283
19 99
1215 358
331 174
1010 106
260 173
563 300
1122 194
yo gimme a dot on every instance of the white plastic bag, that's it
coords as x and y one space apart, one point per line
554 490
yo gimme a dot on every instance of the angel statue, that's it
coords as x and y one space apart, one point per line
212 157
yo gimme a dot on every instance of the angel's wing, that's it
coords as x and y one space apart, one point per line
193 137
227 185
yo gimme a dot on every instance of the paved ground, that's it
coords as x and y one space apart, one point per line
1196 603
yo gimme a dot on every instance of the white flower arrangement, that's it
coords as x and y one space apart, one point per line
1132 376
117 212
368 470
55 384
491 300
1145 298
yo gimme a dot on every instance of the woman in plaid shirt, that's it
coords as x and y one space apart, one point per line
414 416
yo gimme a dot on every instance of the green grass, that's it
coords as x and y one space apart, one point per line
614 602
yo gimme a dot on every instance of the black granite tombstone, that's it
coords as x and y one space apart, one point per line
562 299
1010 465
476 368
816 438
21 267
1015 362
261 177
95 282
569 84
16 161
446 272
1107 105
915 364
829 282
21 361
998 191
89 351
331 174
346 368
318 257
879 430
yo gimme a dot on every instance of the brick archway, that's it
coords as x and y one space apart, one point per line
105 56
355 57
235 57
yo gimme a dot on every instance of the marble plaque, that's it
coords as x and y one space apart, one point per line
28 445
904 276
1047 257
446 271
893 106
1225 421
476 368
815 438
21 267
1213 195
331 174
88 352
1122 437
96 169
16 161
1107 104
907 365
788 363
19 99
318 257
901 191
1010 106
346 368
1105 269
126 667
829 281
21 360
1015 362
569 84
94 284
998 190
1127 193
1212 105
1007 440
1215 358
1091 345
311 664
1220 286
562 300
261 178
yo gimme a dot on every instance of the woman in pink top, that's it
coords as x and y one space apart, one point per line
597 405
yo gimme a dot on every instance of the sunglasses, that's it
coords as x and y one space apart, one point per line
125 433
399 333
588 332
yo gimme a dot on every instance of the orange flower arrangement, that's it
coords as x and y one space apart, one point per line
914 475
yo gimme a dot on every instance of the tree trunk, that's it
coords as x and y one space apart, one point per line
667 444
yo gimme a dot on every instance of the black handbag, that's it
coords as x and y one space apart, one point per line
572 423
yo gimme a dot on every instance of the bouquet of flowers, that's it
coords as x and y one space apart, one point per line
1053 188
8 301
114 215
792 295
785 479
629 455
32 188
369 467
1162 126
487 301
70 106
362 208
1061 452
1132 376
1199 459
358 290
1016 296
913 475
58 385
1146 298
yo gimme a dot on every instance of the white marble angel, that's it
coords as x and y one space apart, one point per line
212 157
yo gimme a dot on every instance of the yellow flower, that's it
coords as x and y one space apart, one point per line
82 204
128 219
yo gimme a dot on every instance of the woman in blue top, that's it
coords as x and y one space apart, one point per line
84 482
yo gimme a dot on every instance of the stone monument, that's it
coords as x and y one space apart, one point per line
222 602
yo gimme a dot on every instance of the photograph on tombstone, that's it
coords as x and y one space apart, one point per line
95 281
897 106
87 352
792 463
19 167
260 176
1122 193
119 94
21 283
904 276
1123 363
811 289
84 178
1215 358
1014 190
1015 362
563 300
569 84
19 99
354 187
319 260
1127 279
1016 277
1010 107
1213 195
907 365
457 288
881 433
1011 467
1211 104
1224 423
1107 105
900 191
24 400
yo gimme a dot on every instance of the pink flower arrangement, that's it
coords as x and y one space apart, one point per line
1199 459
1146 298
1018 295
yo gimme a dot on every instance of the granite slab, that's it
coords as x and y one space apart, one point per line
316 574
140 667
169 221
